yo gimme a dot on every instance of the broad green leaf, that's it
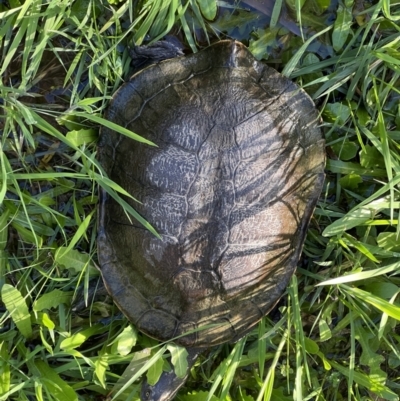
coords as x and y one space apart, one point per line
337 113
47 200
324 330
44 319
5 375
52 299
350 181
342 27
45 343
345 150
39 391
265 39
56 386
18 309
327 365
79 338
389 241
73 259
81 137
179 359
370 157
155 371
101 365
89 101
208 8
311 346
125 341
323 4
362 116
382 289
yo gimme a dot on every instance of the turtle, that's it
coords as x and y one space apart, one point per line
230 188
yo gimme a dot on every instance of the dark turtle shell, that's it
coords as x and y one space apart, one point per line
230 188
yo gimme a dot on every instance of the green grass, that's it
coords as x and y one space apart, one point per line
335 334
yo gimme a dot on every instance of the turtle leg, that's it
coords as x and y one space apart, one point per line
169 384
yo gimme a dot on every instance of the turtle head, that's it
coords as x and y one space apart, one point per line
164 390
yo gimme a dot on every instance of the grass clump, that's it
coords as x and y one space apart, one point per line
335 334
